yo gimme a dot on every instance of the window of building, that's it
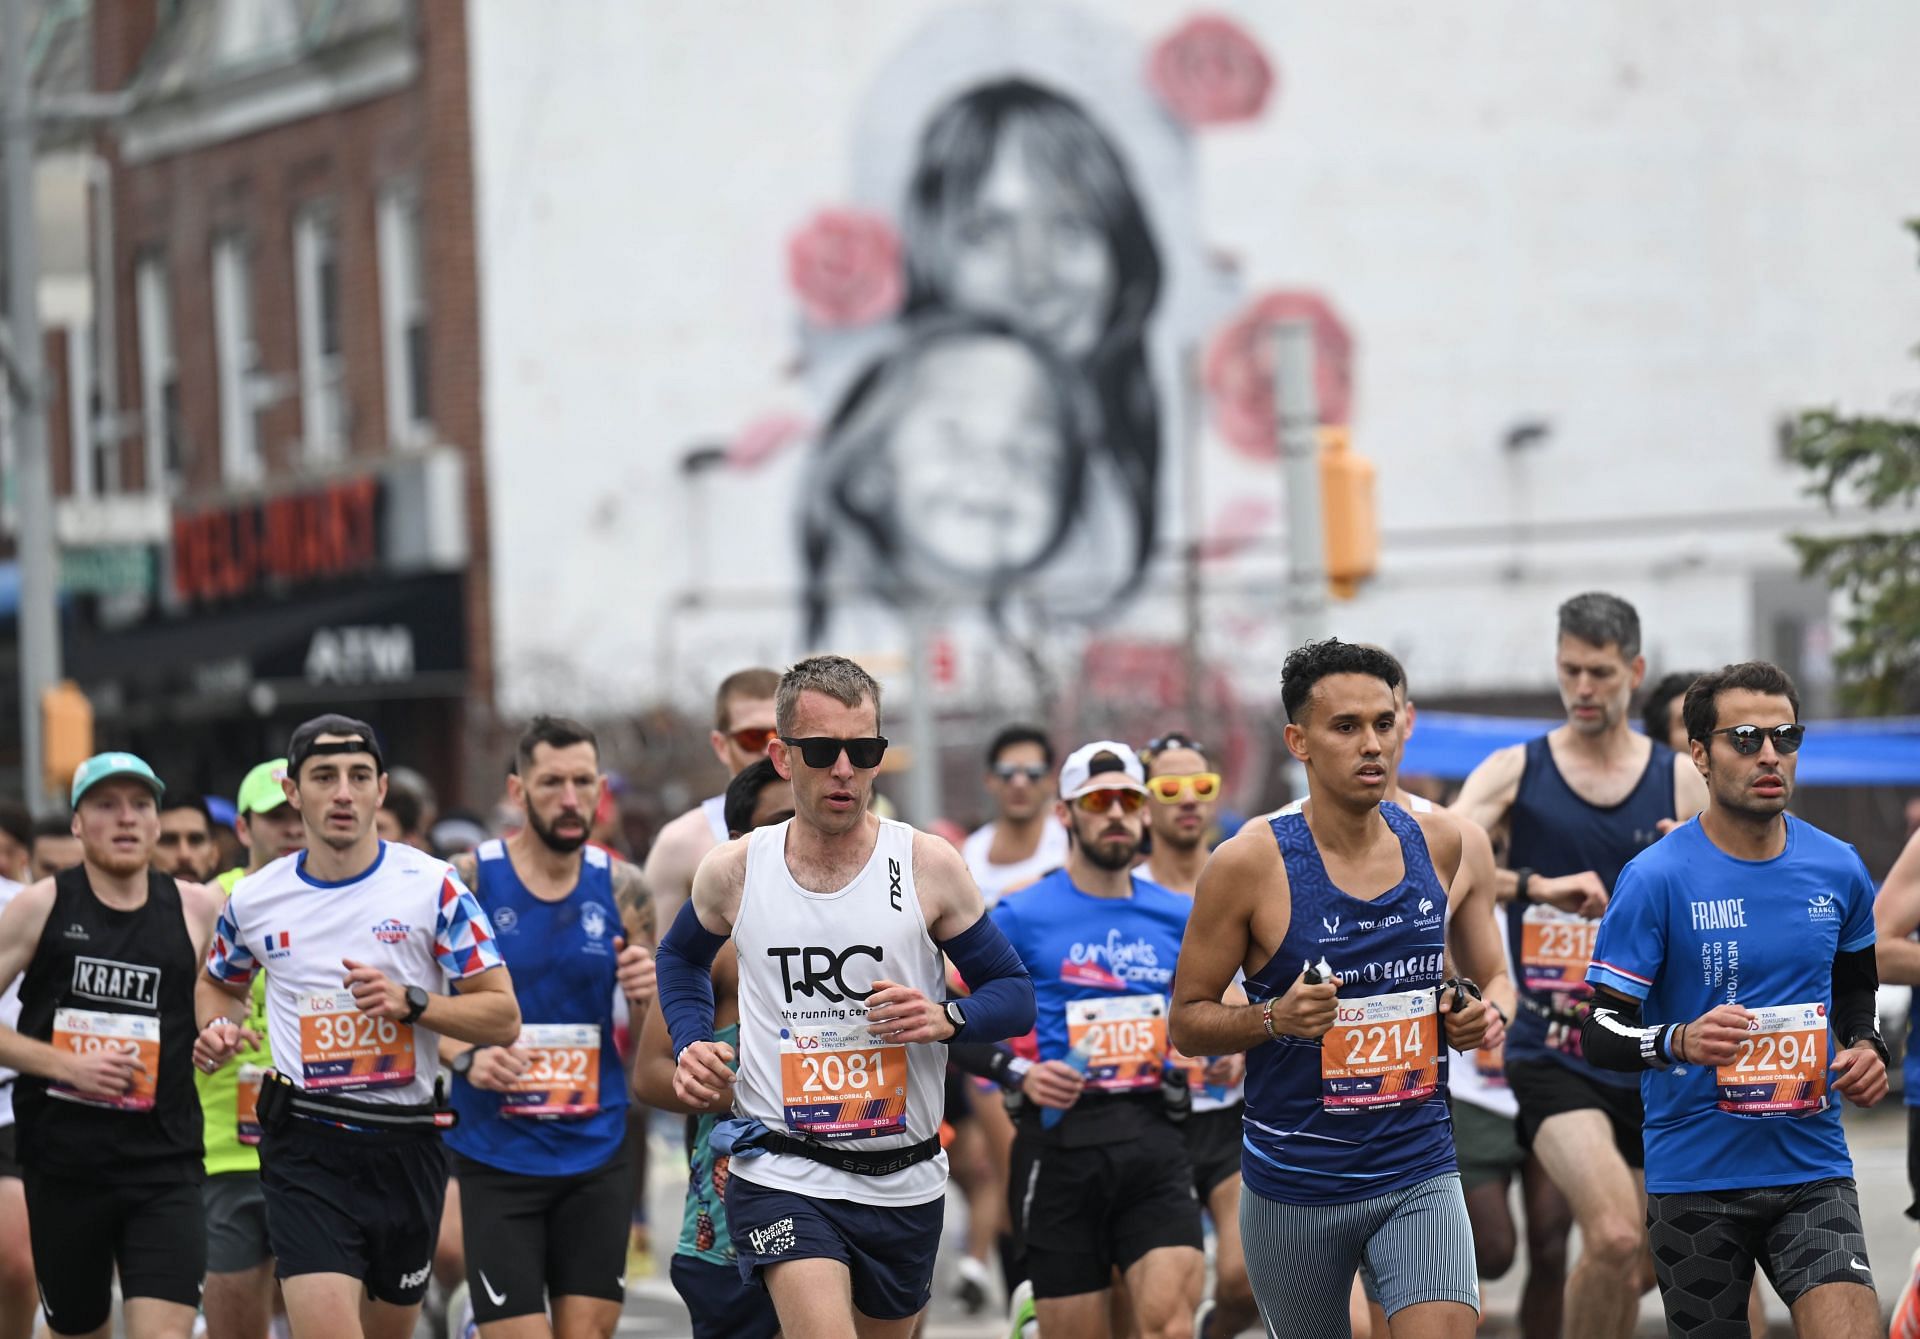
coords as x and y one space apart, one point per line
403 316
323 381
238 356
159 376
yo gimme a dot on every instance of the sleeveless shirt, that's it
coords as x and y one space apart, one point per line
124 971
807 1063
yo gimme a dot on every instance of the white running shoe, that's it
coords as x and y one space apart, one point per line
1023 1323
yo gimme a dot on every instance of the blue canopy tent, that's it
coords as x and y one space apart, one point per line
1872 752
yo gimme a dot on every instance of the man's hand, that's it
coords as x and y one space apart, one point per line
1053 1083
1466 1023
897 1013
1496 1034
1582 894
704 1077
103 1074
495 1068
1715 1037
1227 1070
373 992
219 1041
1860 1075
1306 1011
634 969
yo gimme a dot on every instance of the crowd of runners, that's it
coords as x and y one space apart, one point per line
348 1077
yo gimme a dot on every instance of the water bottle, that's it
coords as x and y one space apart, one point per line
1079 1058
1175 1093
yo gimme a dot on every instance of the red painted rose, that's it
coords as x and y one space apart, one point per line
1209 72
1239 370
844 266
764 438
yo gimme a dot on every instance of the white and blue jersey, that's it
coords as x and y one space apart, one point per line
1363 1110
1691 927
564 967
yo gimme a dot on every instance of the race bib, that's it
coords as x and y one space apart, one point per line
1382 1051
1192 1068
563 1078
1555 948
342 1048
247 1104
836 1082
1782 1066
83 1031
1125 1038
1491 1066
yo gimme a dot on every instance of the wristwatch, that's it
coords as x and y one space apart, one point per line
417 1001
955 1017
463 1062
1872 1038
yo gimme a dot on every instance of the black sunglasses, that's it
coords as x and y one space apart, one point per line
1032 771
823 751
1746 739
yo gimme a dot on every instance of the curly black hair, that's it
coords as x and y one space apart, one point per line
1314 661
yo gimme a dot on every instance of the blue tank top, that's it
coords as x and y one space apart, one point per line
1554 832
1371 1116
562 959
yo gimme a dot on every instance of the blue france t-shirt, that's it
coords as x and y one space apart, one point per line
1690 927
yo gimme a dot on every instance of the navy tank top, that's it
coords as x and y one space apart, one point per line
1555 832
1363 1111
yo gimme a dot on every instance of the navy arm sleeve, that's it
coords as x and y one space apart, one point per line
1001 1004
683 981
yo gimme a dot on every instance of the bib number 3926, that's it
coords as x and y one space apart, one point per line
837 1083
344 1049
1382 1051
1782 1066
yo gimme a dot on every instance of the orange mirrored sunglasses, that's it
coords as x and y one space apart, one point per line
1099 801
1169 789
752 740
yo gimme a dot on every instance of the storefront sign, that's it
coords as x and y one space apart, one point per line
278 543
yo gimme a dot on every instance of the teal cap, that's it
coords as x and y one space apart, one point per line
103 765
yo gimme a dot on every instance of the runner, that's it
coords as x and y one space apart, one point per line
108 1128
1577 804
360 939
1347 1157
541 1146
1661 716
705 1269
16 841
1023 840
1101 1178
55 848
1728 954
239 1296
1186 795
836 1189
19 1302
186 847
1896 916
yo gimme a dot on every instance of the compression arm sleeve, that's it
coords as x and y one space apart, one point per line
683 980
986 1060
1855 979
1613 1036
1001 1004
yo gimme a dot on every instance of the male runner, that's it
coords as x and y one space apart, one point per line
1185 790
1101 1178
1348 1156
1733 954
55 847
19 1302
108 1128
239 1296
837 1184
16 841
186 847
704 1268
1577 804
1661 715
546 1186
1896 915
1023 839
361 940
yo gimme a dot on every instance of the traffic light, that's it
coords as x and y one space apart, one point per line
66 733
1346 510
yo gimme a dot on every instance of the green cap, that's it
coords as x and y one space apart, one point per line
261 792
103 765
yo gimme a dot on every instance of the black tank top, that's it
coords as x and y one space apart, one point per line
142 962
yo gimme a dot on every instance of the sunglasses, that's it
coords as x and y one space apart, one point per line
1746 739
823 751
1168 789
753 739
1099 801
1032 771
1172 739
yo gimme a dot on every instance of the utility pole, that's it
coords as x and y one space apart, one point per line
923 781
1299 428
38 622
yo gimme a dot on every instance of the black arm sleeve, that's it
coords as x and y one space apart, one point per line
985 1059
1855 979
1613 1036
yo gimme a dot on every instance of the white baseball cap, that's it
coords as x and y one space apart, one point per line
1077 774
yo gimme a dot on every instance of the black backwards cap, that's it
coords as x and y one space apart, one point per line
358 737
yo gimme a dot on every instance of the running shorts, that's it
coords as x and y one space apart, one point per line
82 1231
531 1237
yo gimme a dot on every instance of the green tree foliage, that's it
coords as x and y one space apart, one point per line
1874 464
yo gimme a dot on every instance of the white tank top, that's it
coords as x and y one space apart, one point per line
807 1064
10 1015
715 808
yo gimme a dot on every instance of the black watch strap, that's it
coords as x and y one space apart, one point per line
417 1001
1873 1038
